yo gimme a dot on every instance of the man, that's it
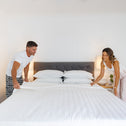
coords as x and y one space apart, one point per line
19 63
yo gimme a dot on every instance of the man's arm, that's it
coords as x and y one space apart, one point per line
15 67
26 72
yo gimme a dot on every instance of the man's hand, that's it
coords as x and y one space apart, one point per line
16 85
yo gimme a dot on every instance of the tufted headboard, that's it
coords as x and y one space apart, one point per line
64 66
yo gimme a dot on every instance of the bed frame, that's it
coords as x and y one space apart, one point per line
64 66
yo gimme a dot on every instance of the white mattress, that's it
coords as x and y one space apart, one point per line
48 104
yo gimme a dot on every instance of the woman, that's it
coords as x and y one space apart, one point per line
109 62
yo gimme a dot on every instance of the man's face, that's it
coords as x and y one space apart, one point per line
32 50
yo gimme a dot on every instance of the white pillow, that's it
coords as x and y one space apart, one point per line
48 74
50 80
77 81
78 74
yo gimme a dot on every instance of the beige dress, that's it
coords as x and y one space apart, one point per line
121 89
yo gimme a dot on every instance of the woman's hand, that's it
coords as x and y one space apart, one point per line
115 91
92 83
26 80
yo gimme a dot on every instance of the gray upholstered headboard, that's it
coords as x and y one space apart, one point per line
64 66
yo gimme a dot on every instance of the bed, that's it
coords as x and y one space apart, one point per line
40 103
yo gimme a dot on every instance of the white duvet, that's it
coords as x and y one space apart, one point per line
48 104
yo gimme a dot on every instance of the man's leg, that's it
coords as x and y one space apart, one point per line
20 80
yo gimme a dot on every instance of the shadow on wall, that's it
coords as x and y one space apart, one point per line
2 81
2 86
2 97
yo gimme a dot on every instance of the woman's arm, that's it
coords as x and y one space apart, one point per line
117 76
100 75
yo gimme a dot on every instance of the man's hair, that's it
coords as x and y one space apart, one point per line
31 44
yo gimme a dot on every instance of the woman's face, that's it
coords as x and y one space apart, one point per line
105 56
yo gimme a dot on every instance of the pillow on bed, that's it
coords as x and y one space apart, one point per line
77 81
78 74
50 80
48 74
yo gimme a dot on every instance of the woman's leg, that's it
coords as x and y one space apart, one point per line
123 88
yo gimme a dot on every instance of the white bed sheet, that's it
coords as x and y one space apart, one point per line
49 104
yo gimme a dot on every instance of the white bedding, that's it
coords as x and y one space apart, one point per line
48 104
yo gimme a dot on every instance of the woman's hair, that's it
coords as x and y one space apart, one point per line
109 51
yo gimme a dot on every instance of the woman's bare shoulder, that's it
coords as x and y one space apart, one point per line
116 62
102 64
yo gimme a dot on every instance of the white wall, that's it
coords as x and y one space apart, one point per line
69 37
68 30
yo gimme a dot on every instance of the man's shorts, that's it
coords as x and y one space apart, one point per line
9 85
